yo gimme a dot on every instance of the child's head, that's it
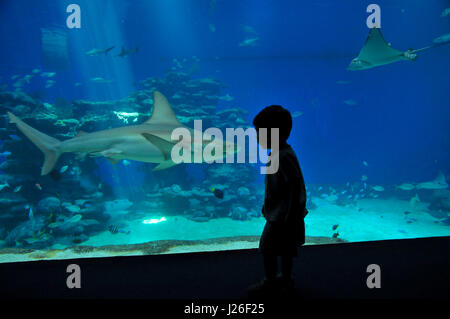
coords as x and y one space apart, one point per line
273 116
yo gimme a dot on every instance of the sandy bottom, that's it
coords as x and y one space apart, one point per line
369 219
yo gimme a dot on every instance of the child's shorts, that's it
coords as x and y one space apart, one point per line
282 239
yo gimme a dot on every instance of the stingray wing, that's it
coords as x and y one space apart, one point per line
376 51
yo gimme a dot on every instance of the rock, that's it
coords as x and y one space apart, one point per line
20 110
118 204
243 191
10 199
80 238
199 217
80 202
176 188
49 205
239 213
73 208
193 202
25 230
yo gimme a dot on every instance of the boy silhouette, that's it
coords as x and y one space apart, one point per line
284 204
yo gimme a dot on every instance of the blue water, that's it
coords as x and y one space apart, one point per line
398 125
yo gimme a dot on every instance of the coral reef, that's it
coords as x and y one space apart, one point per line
78 199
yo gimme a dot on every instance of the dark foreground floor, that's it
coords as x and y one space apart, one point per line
413 268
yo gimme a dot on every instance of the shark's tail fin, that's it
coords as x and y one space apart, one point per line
47 144
109 49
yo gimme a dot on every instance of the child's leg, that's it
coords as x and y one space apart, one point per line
286 266
270 266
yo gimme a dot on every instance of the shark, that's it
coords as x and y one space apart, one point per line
95 52
124 53
438 183
376 51
149 142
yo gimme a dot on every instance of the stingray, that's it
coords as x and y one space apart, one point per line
376 52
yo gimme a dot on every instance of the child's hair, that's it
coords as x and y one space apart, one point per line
275 116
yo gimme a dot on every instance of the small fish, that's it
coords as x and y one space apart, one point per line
217 192
101 80
378 188
17 189
48 74
343 192
320 188
49 84
250 42
334 227
4 185
28 77
15 137
5 154
77 84
38 186
226 97
349 196
365 163
113 229
350 102
297 114
35 71
445 13
336 234
406 186
63 169
365 186
407 213
364 178
248 29
126 163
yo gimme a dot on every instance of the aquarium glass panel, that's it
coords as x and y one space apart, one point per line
126 126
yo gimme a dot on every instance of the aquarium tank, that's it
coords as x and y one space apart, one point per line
92 91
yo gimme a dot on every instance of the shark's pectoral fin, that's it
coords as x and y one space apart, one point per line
164 146
166 164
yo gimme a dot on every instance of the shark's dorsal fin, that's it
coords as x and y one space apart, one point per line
164 146
440 178
162 111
